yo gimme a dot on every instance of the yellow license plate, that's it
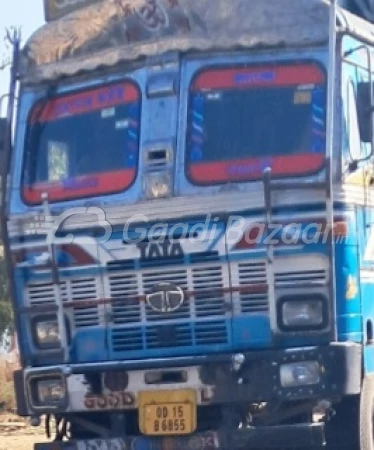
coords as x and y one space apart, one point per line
163 413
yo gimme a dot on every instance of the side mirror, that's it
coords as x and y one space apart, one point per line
365 111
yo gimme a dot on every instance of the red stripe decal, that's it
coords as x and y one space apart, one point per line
252 168
259 76
92 100
84 186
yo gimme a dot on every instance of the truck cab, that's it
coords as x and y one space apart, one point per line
187 219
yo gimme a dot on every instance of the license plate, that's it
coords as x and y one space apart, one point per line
163 413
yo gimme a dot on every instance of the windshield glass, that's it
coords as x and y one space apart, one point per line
243 120
83 144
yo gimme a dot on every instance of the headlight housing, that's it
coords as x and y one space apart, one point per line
303 373
303 312
46 332
158 185
48 391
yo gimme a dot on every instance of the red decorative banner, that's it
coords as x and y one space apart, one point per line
87 101
259 76
79 187
250 169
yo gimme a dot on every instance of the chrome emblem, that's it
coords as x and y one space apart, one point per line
165 298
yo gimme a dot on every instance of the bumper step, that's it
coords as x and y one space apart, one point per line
289 436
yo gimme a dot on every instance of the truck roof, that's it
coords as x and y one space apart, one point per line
110 32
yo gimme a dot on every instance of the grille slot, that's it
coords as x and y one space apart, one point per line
209 297
127 340
125 301
211 333
254 303
317 276
253 274
81 289
121 265
43 294
169 336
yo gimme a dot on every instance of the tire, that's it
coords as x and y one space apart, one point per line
352 428
342 431
366 424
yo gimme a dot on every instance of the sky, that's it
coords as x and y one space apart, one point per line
27 14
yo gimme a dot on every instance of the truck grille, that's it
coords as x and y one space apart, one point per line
205 321
136 326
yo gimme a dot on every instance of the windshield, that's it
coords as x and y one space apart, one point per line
243 120
83 144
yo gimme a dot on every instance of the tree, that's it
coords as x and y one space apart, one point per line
6 314
5 59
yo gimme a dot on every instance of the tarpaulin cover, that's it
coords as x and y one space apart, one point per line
115 31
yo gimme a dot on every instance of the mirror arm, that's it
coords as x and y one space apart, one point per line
371 109
371 88
371 102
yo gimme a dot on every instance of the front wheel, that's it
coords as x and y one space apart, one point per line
352 427
366 423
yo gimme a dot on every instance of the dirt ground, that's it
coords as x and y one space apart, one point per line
19 442
16 434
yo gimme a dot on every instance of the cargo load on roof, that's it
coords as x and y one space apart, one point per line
110 32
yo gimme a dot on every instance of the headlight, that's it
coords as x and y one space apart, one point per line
49 391
302 313
158 185
303 373
46 332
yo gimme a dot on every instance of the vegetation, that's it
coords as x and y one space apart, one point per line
7 399
6 315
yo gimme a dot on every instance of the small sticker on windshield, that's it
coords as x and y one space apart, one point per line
305 87
121 124
214 96
302 98
108 112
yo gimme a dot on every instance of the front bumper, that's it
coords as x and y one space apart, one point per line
289 436
257 380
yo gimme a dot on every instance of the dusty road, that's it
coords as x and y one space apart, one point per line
16 434
19 442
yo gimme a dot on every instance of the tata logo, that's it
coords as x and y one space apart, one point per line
160 250
165 298
54 9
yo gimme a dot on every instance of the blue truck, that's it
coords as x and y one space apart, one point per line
188 224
